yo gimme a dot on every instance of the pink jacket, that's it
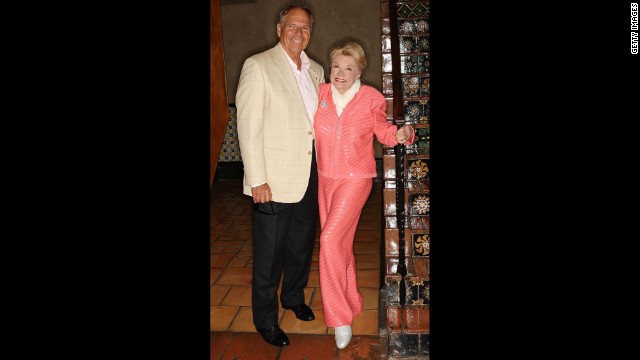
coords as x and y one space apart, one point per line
344 145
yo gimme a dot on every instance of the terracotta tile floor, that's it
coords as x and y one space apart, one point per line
232 332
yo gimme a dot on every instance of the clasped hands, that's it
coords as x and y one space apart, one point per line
403 134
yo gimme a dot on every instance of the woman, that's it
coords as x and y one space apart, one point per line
348 116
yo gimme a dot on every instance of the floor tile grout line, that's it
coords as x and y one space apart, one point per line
234 318
227 347
225 294
313 295
282 316
311 298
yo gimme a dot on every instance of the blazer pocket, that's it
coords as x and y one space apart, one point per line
275 155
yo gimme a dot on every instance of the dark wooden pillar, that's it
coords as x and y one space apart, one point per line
219 107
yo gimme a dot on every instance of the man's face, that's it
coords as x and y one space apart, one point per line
295 33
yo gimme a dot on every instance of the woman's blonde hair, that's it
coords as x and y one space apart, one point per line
352 49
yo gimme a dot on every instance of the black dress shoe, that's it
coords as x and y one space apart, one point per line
274 336
302 311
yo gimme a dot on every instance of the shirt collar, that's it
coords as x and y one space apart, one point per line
306 63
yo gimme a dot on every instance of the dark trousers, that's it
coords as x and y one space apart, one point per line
283 238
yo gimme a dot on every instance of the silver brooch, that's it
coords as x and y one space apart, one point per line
323 104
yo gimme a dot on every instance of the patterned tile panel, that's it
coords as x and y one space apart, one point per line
416 111
421 243
230 147
425 87
417 169
413 27
417 290
419 204
412 9
422 44
414 64
414 47
411 86
420 144
408 44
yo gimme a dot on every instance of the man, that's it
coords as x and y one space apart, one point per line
276 101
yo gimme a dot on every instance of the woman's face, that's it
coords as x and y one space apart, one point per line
344 72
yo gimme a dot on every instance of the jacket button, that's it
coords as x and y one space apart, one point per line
310 133
309 153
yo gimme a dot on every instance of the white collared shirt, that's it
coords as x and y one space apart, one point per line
309 96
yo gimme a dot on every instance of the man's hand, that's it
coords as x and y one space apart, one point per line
261 194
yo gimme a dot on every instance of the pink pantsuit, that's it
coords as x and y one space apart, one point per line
346 166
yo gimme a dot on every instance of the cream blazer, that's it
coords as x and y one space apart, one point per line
274 131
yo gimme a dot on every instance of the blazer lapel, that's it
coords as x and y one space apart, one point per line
315 77
284 68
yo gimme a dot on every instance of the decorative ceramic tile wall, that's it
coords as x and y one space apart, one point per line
230 147
408 322
421 144
420 241
417 290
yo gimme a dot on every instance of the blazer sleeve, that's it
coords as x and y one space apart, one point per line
250 102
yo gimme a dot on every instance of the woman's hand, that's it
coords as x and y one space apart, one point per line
403 134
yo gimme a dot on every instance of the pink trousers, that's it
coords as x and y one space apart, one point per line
340 202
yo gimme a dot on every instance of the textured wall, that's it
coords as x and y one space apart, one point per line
249 28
